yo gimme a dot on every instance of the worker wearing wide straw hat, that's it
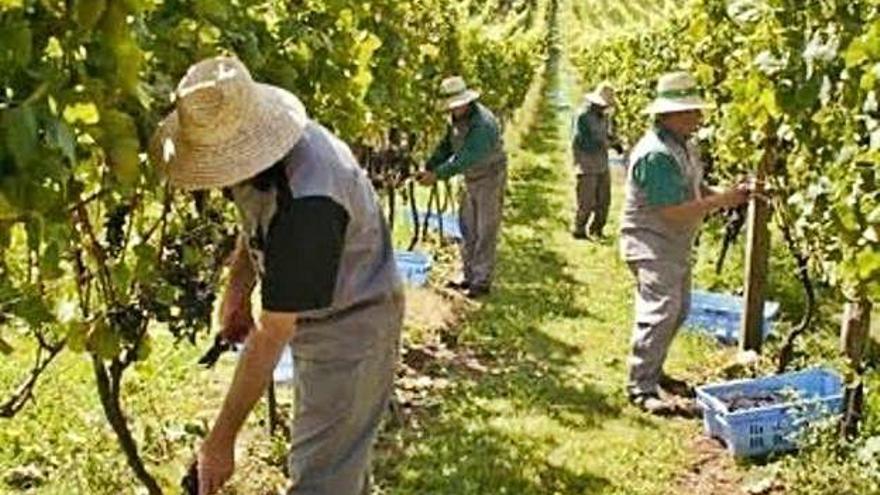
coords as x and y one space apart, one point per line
666 200
315 237
473 146
592 138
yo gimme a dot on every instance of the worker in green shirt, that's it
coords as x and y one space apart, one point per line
666 201
592 138
473 147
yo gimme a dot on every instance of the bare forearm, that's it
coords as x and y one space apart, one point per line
690 213
711 190
252 375
235 309
693 212
242 276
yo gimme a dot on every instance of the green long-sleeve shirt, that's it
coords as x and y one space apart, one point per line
591 131
469 143
441 153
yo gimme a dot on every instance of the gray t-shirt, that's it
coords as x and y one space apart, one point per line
323 250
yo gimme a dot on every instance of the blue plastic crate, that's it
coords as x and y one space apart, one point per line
811 395
720 315
451 228
413 266
283 372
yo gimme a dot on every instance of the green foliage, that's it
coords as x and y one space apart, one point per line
67 448
95 249
76 117
806 69
828 467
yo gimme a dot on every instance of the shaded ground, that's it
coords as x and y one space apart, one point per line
711 471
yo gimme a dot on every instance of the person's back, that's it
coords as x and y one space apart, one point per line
482 121
590 142
321 165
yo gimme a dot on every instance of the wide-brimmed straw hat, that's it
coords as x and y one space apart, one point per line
226 127
456 93
676 92
603 95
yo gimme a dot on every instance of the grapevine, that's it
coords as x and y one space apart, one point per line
86 222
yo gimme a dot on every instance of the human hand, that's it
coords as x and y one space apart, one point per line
215 465
426 178
734 196
236 318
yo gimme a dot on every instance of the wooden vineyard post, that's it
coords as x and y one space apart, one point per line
757 252
854 332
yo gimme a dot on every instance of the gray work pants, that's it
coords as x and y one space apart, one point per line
593 200
663 298
339 407
480 215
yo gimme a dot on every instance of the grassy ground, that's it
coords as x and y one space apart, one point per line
62 445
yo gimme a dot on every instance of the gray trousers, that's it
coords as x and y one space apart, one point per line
593 200
662 301
480 215
339 407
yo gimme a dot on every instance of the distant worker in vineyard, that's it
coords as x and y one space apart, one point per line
314 236
666 201
473 146
592 139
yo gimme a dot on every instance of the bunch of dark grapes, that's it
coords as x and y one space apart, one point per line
195 279
194 297
114 228
127 321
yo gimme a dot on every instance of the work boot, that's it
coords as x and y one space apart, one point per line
580 235
653 404
674 386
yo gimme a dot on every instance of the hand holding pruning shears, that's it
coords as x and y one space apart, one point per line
732 196
210 471
426 178
737 194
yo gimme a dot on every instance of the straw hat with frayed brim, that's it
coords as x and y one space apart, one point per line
226 127
603 95
456 93
677 92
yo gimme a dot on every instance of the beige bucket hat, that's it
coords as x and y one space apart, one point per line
456 93
677 92
603 95
226 127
